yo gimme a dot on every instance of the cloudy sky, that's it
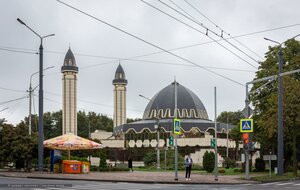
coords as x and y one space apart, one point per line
99 47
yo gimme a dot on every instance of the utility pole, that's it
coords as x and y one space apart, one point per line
41 98
216 137
176 136
157 145
227 138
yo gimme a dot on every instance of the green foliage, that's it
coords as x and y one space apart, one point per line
233 117
265 99
260 165
208 161
102 162
229 163
150 160
222 171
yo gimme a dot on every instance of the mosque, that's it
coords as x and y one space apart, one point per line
154 129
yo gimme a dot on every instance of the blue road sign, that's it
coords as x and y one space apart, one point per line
246 125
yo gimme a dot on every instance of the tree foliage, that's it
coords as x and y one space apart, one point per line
233 118
209 161
265 99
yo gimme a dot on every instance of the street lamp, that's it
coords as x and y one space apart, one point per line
30 96
157 129
280 109
41 124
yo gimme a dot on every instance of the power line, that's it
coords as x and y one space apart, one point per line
206 34
18 51
140 60
9 89
13 100
222 30
91 102
149 43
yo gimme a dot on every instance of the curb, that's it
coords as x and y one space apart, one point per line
124 181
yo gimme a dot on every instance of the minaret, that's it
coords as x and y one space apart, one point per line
120 83
69 79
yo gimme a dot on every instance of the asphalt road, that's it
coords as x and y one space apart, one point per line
7 183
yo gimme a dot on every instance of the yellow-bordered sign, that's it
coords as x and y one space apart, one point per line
176 126
246 125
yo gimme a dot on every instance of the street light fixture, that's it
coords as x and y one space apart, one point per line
30 90
157 129
41 98
280 108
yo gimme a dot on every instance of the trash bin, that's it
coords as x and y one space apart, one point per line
275 170
85 167
71 166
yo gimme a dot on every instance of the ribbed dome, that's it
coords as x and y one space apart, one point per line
120 76
69 63
188 104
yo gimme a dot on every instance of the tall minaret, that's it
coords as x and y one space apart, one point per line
120 83
69 79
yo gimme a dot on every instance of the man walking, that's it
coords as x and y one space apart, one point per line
188 162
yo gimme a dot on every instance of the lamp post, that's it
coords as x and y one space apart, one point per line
280 109
41 98
157 130
30 90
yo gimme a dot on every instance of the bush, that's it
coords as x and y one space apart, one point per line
102 162
237 170
260 165
221 171
208 161
229 163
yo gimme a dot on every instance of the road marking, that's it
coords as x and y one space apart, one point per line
285 183
274 183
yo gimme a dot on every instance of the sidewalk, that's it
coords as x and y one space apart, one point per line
135 177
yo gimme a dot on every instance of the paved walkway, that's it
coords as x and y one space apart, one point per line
136 177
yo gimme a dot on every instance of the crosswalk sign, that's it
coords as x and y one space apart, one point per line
176 127
246 125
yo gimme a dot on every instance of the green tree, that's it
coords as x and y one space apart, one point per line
208 161
103 157
265 100
233 118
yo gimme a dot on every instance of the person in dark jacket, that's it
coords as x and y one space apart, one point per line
188 162
130 164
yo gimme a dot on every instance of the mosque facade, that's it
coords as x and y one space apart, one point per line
137 138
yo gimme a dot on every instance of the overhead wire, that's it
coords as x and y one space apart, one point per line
149 43
222 30
207 30
13 100
158 52
9 89
91 102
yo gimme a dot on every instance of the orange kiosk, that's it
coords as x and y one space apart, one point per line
72 166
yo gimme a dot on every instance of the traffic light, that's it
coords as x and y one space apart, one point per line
171 142
247 141
213 143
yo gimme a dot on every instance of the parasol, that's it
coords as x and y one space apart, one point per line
69 142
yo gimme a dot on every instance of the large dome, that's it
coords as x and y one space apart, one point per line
188 104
